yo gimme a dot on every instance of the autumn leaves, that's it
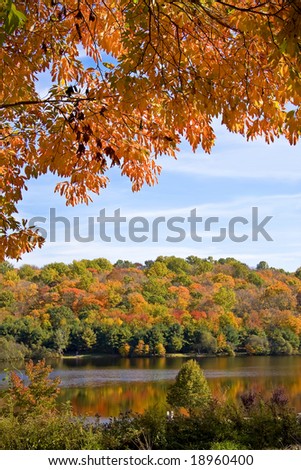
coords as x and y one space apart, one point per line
130 80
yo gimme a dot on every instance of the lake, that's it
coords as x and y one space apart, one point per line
109 385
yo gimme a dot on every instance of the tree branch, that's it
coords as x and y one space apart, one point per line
251 9
49 101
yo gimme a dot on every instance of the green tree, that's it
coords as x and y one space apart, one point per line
177 265
156 335
61 268
11 351
158 269
125 264
88 337
109 338
298 273
101 264
205 342
60 316
226 298
175 337
27 272
155 291
60 339
279 344
190 390
7 299
255 279
262 265
5 266
200 266
257 345
29 332
50 276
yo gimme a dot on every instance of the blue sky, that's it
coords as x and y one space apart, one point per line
237 176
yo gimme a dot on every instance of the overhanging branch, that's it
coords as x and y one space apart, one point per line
50 101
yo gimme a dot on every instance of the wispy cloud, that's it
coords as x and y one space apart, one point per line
249 161
282 252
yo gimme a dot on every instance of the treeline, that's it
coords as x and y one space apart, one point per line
170 305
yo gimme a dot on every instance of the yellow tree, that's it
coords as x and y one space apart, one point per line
158 71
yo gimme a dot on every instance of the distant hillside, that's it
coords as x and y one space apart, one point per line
170 305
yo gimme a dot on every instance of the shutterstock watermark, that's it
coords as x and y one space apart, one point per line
139 229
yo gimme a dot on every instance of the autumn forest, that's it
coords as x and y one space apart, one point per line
170 305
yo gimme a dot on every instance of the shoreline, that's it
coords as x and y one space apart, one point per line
172 355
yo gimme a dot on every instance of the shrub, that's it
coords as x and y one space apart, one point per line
61 432
190 390
226 445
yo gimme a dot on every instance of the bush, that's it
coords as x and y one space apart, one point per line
61 432
227 445
10 351
190 390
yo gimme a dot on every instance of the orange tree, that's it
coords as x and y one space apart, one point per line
38 396
158 71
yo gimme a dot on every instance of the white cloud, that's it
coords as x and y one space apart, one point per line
249 161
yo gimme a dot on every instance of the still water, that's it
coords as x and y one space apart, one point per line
109 385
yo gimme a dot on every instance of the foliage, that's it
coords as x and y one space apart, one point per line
226 298
61 432
160 350
10 351
257 345
5 266
143 432
221 426
166 306
226 445
298 273
262 265
157 72
6 299
38 396
11 17
190 390
31 420
124 350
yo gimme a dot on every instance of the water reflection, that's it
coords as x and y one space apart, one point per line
110 400
109 385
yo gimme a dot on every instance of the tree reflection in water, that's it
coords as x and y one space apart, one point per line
134 387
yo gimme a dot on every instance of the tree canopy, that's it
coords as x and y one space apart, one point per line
190 390
91 306
130 79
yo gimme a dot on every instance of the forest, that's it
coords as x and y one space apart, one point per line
167 306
